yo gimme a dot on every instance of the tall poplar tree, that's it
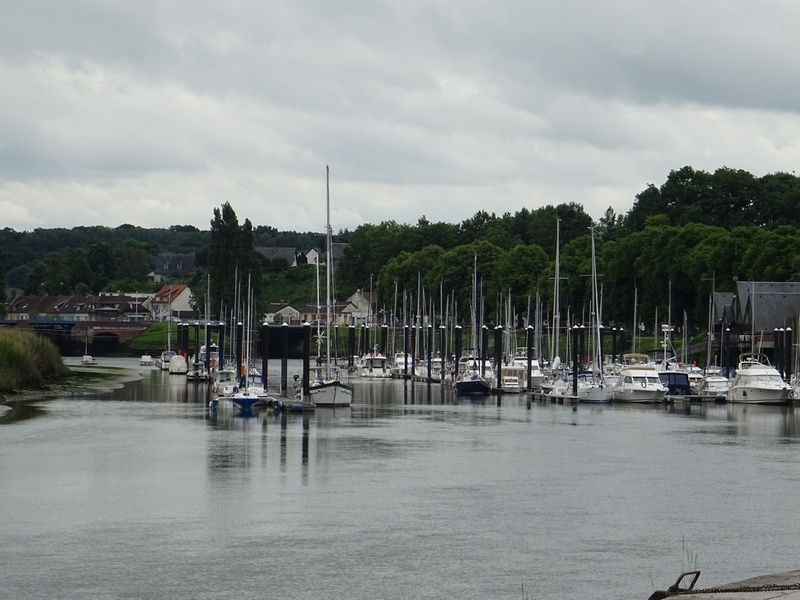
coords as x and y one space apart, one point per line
231 259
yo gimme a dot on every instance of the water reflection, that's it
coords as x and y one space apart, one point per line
21 411
432 489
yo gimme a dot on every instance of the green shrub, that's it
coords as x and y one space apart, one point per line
28 361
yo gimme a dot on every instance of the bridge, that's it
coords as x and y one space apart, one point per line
78 337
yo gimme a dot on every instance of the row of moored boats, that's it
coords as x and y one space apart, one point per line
636 379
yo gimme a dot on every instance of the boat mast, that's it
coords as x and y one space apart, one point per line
329 245
596 310
556 316
475 305
752 288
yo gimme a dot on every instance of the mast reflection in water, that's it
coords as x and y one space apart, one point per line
409 493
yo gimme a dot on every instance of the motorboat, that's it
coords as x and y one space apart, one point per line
638 381
695 375
88 360
402 365
166 356
146 361
757 382
375 366
177 365
225 381
437 369
712 387
512 378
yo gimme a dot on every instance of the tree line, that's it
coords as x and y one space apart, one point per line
695 231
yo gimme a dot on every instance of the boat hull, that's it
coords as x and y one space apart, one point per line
748 394
472 385
596 393
643 396
331 393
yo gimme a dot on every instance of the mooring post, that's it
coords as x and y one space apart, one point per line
351 344
430 351
285 359
529 332
406 347
384 339
413 351
575 360
459 342
221 342
263 344
207 357
498 356
484 348
306 361
442 352
240 368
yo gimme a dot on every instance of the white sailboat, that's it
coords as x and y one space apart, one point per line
325 388
87 359
592 387
167 354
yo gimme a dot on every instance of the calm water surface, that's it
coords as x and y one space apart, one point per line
141 493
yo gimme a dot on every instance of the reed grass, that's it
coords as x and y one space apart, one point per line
28 361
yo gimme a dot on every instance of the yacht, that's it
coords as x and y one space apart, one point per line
638 381
512 378
757 382
375 366
712 387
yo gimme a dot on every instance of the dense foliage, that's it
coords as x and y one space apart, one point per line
27 361
698 231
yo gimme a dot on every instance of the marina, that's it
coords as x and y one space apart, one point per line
411 491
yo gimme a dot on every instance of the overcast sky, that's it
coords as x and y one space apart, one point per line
153 112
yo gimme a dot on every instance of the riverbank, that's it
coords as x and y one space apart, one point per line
28 362
78 381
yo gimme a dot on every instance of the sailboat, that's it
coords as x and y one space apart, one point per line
592 387
471 371
246 395
167 354
87 359
325 388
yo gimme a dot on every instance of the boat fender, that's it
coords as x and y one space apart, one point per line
644 384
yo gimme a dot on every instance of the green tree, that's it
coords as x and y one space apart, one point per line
2 283
35 283
232 261
103 265
132 261
609 226
519 271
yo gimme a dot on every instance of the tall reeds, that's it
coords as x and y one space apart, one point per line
28 361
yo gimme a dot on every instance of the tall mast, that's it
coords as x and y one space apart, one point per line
329 245
596 310
475 305
556 302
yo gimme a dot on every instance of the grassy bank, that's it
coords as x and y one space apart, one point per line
28 361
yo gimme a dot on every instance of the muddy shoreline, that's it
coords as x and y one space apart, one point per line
82 381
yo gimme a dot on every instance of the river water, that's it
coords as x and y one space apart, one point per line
142 493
